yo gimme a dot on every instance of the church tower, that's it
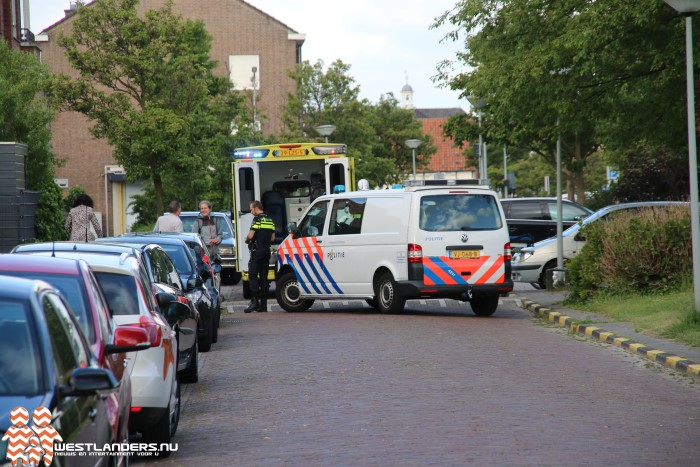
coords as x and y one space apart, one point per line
407 96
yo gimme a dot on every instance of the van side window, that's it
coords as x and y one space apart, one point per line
442 213
312 224
346 216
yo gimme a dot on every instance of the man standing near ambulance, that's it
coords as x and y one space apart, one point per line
259 239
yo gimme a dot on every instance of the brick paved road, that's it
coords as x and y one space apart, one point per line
433 386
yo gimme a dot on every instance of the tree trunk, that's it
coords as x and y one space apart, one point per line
158 189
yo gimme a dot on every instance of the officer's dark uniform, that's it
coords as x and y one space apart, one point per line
258 265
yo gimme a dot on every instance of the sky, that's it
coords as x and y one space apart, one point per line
387 43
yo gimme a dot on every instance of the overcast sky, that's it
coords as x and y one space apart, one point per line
386 42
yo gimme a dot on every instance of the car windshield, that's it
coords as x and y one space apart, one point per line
73 289
19 350
120 292
188 220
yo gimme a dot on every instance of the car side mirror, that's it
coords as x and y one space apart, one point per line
88 381
177 311
292 229
194 282
128 339
580 237
165 299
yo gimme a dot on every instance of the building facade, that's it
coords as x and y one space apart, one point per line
252 48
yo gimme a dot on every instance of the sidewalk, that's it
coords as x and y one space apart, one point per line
682 358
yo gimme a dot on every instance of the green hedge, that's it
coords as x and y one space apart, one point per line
643 252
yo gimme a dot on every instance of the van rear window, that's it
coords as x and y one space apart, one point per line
450 212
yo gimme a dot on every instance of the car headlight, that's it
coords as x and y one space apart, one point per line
524 254
194 296
225 250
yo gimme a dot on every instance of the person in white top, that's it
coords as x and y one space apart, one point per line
170 222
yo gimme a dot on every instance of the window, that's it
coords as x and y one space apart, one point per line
120 290
569 212
312 224
68 349
526 210
19 351
346 216
444 213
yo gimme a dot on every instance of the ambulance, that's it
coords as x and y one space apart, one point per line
435 239
285 178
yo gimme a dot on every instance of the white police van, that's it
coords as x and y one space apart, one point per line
387 246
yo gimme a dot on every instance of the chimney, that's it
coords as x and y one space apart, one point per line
72 9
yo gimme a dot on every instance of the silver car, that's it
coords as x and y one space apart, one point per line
531 264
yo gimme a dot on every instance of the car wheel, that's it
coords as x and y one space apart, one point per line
166 427
246 289
287 292
388 299
229 277
542 281
484 306
191 373
206 340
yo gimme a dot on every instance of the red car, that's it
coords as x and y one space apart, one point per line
76 281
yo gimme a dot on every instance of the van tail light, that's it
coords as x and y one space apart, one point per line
155 334
415 253
506 252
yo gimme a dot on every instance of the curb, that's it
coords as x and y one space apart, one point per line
680 364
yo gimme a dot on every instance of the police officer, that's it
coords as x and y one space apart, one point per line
262 233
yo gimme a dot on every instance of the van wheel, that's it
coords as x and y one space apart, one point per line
288 293
542 281
388 299
484 306
246 289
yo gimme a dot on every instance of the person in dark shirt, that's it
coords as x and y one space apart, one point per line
262 233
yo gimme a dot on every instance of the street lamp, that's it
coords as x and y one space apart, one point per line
413 144
687 8
478 103
325 130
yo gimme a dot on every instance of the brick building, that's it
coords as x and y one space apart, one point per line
448 161
244 39
14 25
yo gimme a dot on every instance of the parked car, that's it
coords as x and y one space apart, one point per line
160 277
46 361
533 219
227 248
76 281
531 264
154 372
191 273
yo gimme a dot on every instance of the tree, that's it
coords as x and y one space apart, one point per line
25 116
590 72
375 134
147 85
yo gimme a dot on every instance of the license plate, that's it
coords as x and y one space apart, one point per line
464 254
292 152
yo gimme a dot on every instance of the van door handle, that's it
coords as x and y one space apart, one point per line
319 241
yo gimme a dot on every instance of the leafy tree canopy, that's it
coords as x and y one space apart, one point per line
147 85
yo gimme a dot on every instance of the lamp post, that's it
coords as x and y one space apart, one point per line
413 144
325 130
478 103
254 82
687 8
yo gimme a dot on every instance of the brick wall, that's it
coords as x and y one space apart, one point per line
237 28
447 158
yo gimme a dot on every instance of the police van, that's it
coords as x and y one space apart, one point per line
388 246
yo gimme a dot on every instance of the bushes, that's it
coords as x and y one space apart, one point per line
49 215
648 251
